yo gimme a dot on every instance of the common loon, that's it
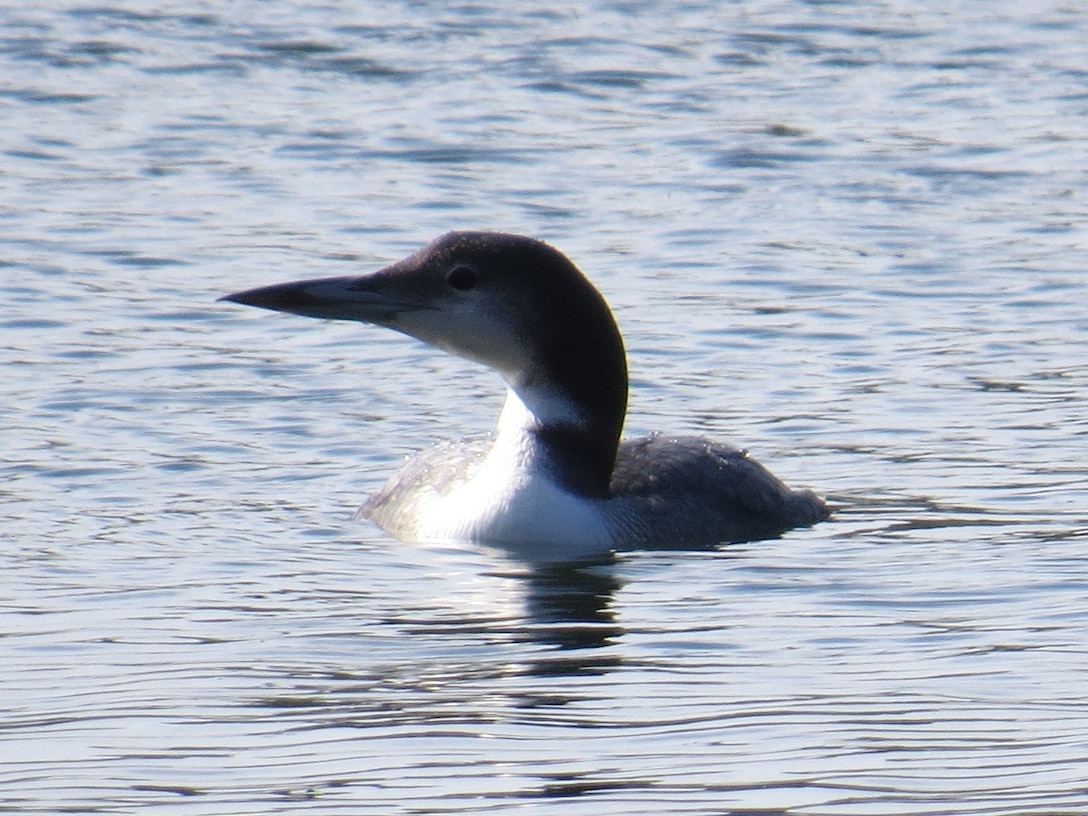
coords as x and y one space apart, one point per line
554 482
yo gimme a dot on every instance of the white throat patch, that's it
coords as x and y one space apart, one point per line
512 501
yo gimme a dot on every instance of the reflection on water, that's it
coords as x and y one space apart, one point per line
563 630
571 608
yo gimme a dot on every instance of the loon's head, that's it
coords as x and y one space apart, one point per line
512 303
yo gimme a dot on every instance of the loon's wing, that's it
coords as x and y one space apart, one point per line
430 474
685 491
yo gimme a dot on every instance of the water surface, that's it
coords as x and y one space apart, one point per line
850 238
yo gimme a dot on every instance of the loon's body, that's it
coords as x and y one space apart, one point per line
554 482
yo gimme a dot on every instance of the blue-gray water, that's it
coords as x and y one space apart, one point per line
848 236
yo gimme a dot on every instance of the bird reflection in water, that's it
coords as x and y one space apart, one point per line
571 608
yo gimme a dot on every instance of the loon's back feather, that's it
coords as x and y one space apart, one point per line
691 492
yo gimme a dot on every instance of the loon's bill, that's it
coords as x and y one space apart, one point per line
555 482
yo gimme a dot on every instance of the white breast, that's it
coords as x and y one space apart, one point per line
511 501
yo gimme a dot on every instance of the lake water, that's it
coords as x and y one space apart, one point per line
848 236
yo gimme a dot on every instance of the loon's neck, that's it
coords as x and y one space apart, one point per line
530 492
544 432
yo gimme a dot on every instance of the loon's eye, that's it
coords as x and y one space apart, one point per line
462 278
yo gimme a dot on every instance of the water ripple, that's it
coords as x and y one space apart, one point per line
846 237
